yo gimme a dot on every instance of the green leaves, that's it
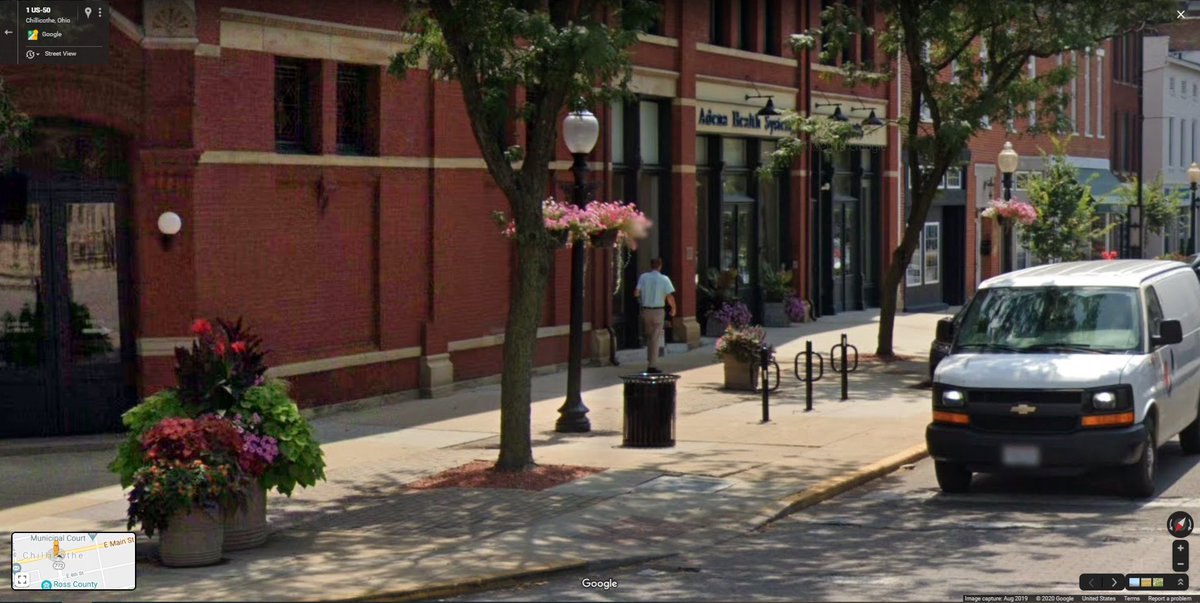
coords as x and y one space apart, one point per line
1160 208
138 420
301 461
1067 223
14 129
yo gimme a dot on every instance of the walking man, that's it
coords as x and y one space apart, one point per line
654 291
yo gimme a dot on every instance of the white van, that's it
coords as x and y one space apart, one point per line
1068 367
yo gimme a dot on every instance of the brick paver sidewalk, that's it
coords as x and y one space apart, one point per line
363 534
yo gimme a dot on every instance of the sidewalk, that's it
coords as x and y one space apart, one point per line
362 534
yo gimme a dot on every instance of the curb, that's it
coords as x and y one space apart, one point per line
790 504
834 486
455 588
61 444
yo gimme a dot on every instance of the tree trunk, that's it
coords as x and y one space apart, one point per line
520 342
888 300
892 277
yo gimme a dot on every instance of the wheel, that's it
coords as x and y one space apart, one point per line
952 478
1189 438
1139 477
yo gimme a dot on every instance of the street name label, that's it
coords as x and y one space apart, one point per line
73 561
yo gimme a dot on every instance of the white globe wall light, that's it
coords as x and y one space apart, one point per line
169 223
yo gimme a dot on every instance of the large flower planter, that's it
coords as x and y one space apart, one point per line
739 376
775 315
246 525
192 539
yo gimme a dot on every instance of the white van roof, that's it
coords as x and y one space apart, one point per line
1096 273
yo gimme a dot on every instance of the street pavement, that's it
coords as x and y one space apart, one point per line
363 534
900 538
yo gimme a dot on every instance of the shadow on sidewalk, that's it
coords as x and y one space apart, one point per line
30 481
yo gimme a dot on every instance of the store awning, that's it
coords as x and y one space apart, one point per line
1104 189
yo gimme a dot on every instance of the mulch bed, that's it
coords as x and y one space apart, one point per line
482 474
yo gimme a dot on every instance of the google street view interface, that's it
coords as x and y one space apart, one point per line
599 300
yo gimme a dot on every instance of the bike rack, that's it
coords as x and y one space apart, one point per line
841 349
808 354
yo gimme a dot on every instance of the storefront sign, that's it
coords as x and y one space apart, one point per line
745 121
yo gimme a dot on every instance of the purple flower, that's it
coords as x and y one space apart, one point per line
735 314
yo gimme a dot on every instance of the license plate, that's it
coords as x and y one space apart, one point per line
1014 455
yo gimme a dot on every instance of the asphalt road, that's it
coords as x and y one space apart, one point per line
899 538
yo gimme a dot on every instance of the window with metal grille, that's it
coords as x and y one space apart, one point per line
293 110
352 109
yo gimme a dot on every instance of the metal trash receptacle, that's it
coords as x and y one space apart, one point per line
649 410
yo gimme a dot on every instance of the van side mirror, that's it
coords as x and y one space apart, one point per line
1169 332
945 330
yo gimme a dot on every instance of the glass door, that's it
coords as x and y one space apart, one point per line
66 365
737 244
63 360
24 370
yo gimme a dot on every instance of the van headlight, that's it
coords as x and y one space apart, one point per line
1104 400
953 398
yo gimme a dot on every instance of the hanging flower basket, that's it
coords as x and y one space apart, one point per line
606 238
600 224
1010 211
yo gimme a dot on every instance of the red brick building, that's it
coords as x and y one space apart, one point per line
345 213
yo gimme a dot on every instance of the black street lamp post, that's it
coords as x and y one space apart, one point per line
580 131
1007 161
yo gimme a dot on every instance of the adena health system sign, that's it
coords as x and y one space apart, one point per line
743 121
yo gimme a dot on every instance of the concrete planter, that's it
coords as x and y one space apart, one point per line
192 539
738 375
775 315
246 526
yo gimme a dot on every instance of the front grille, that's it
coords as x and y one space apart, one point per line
1028 396
1056 411
1013 424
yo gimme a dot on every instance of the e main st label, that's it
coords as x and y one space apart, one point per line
744 121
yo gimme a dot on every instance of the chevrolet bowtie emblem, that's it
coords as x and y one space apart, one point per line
1023 409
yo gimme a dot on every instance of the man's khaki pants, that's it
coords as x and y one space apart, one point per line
652 327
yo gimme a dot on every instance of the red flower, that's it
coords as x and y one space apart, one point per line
238 347
1108 255
220 348
201 327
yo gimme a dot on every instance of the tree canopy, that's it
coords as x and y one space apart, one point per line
967 67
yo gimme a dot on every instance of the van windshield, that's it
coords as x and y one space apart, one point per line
1052 320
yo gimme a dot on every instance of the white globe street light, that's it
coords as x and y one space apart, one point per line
580 131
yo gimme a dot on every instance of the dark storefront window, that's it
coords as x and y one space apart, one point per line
845 229
641 168
771 220
294 83
703 205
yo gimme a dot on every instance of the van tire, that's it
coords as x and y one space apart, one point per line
1189 438
1139 477
952 478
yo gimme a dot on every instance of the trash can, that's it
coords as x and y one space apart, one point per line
649 410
